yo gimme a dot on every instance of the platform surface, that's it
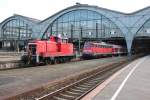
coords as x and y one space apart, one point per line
16 81
10 56
130 83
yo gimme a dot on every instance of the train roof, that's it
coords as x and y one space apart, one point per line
105 44
100 43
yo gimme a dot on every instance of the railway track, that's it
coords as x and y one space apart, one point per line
78 89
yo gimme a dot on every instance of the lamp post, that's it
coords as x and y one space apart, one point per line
80 37
97 30
72 32
17 41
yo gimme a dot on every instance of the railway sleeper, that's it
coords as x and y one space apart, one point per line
93 82
67 96
100 77
86 86
76 90
97 79
67 92
81 88
56 98
73 93
103 76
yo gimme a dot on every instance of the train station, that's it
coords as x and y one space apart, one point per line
83 52
81 22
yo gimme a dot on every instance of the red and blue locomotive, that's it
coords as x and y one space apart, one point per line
95 49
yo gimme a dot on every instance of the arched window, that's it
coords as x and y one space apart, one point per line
84 24
144 30
16 29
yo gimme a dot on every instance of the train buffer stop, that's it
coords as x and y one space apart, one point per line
130 83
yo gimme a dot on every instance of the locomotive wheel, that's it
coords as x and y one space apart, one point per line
62 60
48 61
52 62
57 61
68 59
65 59
26 59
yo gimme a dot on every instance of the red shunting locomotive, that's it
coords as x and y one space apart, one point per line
54 50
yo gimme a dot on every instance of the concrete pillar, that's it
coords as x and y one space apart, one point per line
129 40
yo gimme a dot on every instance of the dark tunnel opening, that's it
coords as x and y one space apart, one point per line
141 45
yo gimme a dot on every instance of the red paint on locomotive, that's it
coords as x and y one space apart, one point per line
95 49
54 47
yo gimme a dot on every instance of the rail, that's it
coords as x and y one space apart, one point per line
77 90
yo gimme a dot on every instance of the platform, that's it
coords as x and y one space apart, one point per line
10 56
130 83
16 81
9 60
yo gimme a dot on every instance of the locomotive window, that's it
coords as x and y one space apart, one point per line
96 45
64 40
32 48
93 45
87 45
